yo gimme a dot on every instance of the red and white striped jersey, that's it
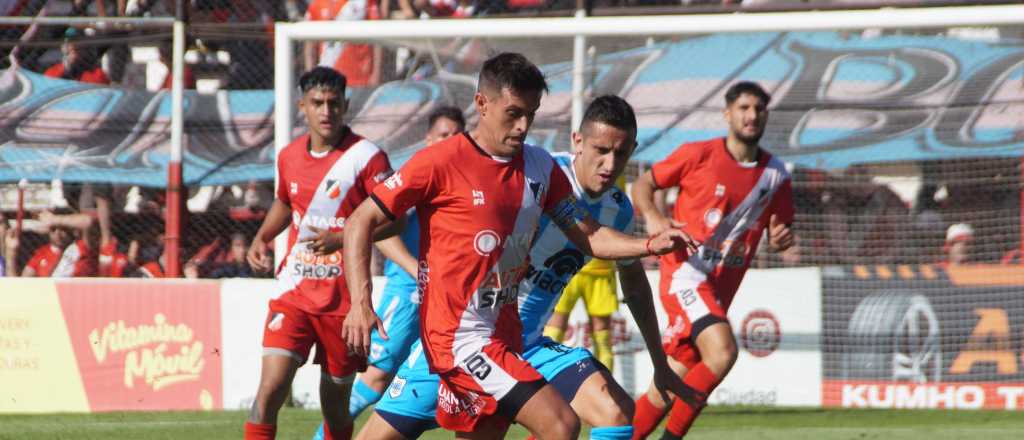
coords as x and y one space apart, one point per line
479 216
322 192
725 205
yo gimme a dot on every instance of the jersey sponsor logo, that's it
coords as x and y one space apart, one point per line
557 270
394 181
486 241
450 403
731 253
760 333
293 188
478 198
318 221
719 190
422 279
500 288
306 264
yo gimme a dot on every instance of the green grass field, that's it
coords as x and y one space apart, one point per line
716 423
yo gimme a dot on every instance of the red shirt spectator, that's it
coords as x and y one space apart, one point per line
356 61
43 261
79 64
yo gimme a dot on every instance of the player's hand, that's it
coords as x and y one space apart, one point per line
666 382
257 256
657 224
324 242
780 236
670 240
355 331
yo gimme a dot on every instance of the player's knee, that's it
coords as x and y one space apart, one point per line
619 414
721 359
565 426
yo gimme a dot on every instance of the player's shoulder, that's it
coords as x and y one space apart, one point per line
296 146
562 159
771 162
446 151
617 197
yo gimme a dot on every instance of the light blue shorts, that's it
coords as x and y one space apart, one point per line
401 317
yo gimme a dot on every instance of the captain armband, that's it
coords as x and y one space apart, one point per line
568 213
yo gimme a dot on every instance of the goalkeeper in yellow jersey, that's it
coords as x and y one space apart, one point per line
595 283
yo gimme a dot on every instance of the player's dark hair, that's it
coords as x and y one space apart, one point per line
512 71
611 110
321 77
447 112
748 87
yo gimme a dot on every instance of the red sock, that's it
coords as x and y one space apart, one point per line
646 418
682 415
345 433
260 431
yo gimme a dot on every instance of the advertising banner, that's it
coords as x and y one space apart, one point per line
923 337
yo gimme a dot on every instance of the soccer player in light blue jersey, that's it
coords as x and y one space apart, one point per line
601 150
399 302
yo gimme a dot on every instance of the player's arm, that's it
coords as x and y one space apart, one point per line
276 220
643 193
606 243
636 293
361 318
780 234
11 243
393 249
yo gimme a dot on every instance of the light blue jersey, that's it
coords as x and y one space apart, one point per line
554 259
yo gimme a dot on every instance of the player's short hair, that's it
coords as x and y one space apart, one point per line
747 87
512 71
321 77
611 110
448 112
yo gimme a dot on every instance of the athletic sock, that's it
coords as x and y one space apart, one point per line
682 415
556 334
362 397
319 432
646 418
346 434
603 348
611 433
260 431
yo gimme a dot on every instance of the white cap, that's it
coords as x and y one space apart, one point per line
959 231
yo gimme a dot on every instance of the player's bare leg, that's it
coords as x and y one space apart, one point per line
605 406
376 428
548 417
334 395
276 374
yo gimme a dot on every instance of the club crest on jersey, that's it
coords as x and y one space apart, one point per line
485 242
538 190
712 217
719 190
275 322
333 188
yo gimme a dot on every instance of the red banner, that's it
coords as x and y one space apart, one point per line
933 395
153 346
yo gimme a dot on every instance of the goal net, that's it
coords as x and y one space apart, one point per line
902 129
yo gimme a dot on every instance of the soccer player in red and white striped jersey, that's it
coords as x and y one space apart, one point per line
730 190
480 197
323 176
